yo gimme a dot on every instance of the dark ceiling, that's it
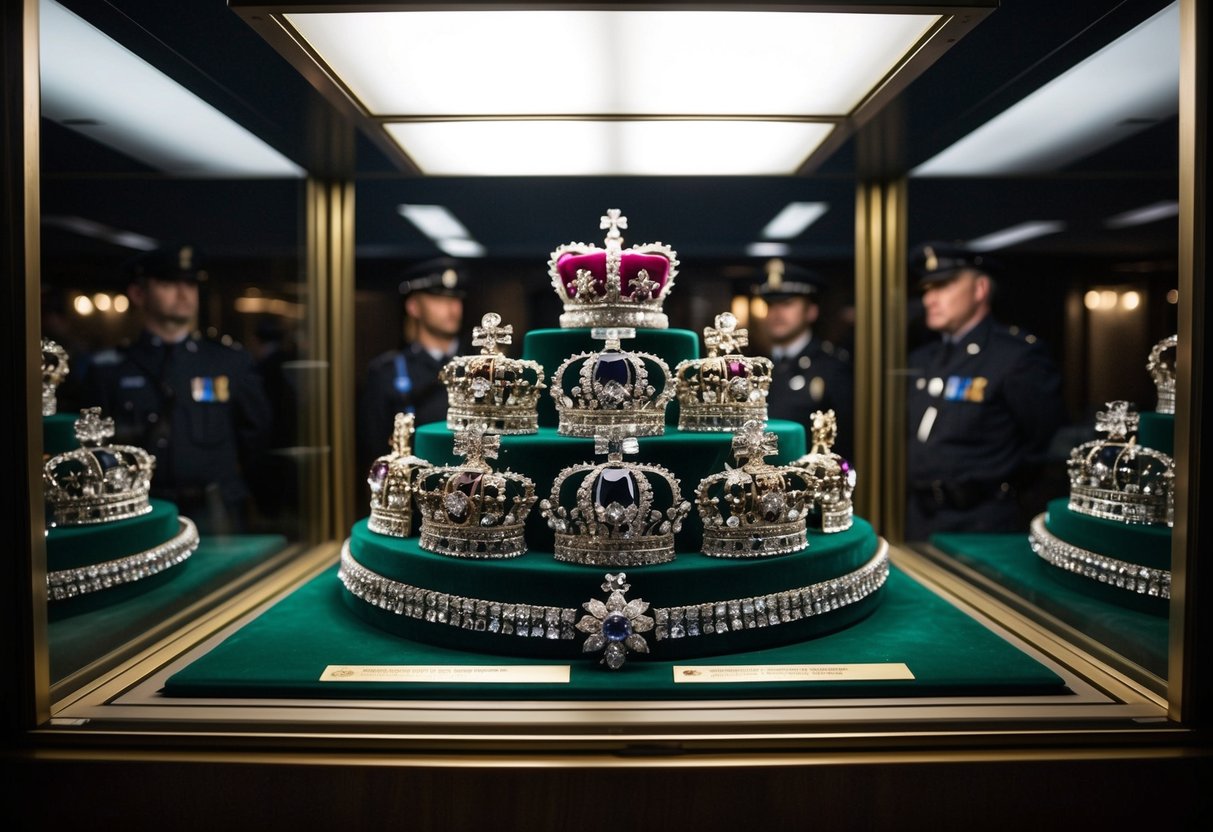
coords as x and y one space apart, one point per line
209 48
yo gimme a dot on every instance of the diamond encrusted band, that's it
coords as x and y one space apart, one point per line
1130 577
558 623
72 583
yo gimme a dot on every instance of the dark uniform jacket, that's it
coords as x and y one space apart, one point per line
978 409
198 406
401 381
819 377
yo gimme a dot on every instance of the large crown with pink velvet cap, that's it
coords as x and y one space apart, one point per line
613 286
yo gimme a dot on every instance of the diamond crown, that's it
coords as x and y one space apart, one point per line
97 482
54 371
492 389
470 510
613 286
392 479
1117 479
1161 366
726 389
622 513
832 479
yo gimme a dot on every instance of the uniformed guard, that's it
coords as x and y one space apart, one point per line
406 380
983 399
810 373
195 403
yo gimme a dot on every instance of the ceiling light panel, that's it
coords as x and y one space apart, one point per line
794 219
1016 234
610 62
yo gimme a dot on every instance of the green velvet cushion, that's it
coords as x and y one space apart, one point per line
1157 430
1144 545
59 433
69 547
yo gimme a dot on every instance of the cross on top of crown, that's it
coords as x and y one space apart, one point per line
475 445
752 442
491 334
402 434
725 337
1118 421
91 429
611 222
825 431
615 443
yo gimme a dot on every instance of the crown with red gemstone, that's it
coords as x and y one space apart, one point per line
492 389
613 286
392 479
725 390
97 482
831 478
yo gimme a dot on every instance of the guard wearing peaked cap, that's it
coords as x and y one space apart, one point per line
810 374
984 399
406 380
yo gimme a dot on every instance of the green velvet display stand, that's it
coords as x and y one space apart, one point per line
1157 431
59 433
70 547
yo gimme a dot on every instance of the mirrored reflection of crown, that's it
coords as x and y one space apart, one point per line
757 509
97 482
831 478
613 389
613 286
470 510
392 479
1117 479
1161 366
623 514
54 371
725 390
492 389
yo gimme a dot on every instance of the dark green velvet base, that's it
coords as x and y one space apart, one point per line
69 547
1144 545
59 433
1157 430
283 653
1138 635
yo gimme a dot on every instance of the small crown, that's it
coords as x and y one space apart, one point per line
725 390
97 483
1117 479
831 478
54 371
491 389
613 286
612 390
1163 372
625 514
470 510
392 479
755 510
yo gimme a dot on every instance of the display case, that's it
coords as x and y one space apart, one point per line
355 669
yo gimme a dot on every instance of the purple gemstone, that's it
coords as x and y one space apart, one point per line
615 485
377 476
738 369
616 627
612 365
468 483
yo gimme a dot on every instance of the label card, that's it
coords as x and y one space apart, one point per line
544 674
708 674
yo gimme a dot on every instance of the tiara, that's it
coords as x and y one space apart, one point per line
392 479
491 389
831 478
612 390
97 482
1117 479
613 286
725 390
624 514
470 510
1163 372
757 509
54 371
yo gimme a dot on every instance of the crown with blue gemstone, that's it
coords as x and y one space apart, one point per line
492 389
614 390
831 478
757 509
1161 366
97 482
54 371
726 389
621 514
470 510
613 286
392 479
1117 479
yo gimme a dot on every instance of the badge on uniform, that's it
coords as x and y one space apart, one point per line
966 389
210 389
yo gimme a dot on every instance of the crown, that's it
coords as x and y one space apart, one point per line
491 389
725 390
392 479
613 286
831 478
1117 479
470 510
757 509
612 390
1163 372
97 483
625 514
54 371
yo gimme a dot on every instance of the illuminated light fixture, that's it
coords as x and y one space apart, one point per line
1108 299
794 219
1015 234
1172 296
1128 85
121 303
767 249
1091 300
102 302
1130 301
100 231
434 221
82 305
1140 216
93 85
457 247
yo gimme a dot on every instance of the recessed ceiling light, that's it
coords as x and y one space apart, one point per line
794 219
100 231
1015 234
1141 216
459 247
767 249
434 221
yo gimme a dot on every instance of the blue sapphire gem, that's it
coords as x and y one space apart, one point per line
106 460
615 485
613 365
616 627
